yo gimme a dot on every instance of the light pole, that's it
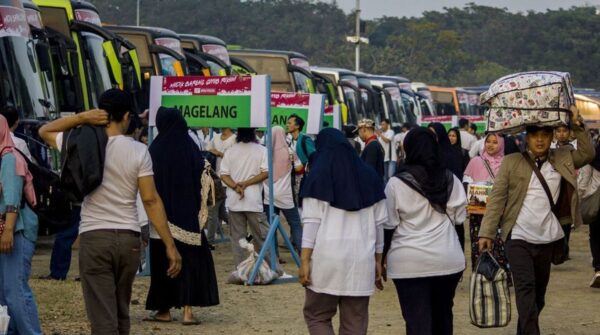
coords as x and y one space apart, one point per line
357 47
137 14
356 39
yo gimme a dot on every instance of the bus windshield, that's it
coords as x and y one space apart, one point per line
97 66
17 69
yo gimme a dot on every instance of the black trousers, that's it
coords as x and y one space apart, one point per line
427 303
595 243
530 265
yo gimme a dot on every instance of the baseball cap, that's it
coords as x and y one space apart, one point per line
365 123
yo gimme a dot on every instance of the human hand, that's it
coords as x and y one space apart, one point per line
485 244
304 273
240 190
96 117
6 241
174 261
378 275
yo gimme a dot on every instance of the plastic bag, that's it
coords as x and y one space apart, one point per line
242 273
4 320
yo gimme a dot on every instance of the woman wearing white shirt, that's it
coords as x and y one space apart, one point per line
343 214
425 259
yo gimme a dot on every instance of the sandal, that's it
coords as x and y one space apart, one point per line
154 318
193 322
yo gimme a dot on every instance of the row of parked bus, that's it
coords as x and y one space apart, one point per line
57 57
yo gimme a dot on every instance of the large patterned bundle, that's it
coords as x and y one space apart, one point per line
528 98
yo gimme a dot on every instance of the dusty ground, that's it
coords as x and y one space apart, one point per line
572 307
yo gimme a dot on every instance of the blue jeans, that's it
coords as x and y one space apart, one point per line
15 292
293 218
63 242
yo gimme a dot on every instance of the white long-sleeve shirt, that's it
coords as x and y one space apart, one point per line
425 243
344 244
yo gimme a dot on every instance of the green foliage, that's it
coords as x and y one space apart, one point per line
466 46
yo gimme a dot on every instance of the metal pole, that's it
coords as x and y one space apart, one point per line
357 35
137 15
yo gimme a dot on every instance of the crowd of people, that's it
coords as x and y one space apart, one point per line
363 206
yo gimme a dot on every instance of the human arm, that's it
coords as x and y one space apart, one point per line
311 221
457 203
585 149
156 214
12 191
381 218
495 206
50 130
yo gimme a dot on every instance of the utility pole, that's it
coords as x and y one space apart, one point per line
356 39
357 47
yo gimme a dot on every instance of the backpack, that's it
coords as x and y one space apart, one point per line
82 159
53 206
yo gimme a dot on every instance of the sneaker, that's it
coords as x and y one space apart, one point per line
595 283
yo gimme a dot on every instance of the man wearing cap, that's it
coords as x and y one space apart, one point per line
530 222
373 153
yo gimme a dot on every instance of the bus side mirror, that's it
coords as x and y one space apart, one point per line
43 54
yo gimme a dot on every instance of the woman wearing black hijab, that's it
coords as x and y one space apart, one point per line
178 164
453 155
425 259
342 243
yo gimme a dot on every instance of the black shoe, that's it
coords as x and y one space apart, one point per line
49 277
212 246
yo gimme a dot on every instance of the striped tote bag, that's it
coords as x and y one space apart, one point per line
489 294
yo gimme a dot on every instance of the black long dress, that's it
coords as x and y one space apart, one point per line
178 165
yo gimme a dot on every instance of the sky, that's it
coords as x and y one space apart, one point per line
377 8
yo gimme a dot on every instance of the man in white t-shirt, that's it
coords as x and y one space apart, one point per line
243 169
386 139
220 144
466 138
109 250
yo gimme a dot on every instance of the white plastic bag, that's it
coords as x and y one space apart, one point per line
4 320
242 273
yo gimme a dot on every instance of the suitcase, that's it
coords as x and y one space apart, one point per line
528 98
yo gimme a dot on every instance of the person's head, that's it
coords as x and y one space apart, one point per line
170 120
493 144
365 129
562 134
406 127
246 135
385 124
226 131
473 129
463 124
422 148
12 117
440 133
349 131
539 140
5 138
118 105
260 133
205 130
454 136
294 124
144 136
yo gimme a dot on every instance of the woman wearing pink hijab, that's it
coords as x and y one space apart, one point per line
284 159
482 170
18 233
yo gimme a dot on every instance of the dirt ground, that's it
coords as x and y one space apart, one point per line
572 306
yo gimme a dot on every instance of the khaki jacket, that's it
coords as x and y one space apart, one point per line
512 182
